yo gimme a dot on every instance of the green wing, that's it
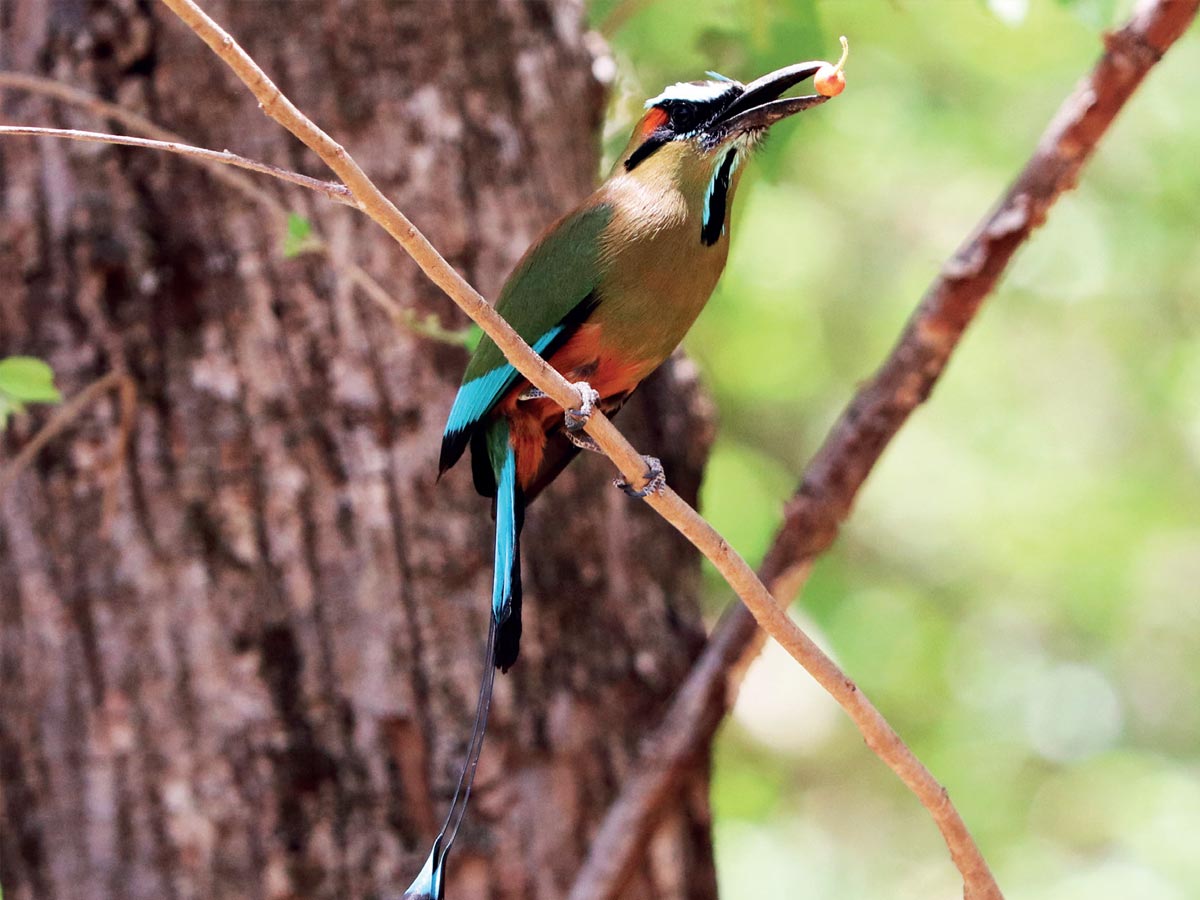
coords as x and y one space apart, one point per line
551 291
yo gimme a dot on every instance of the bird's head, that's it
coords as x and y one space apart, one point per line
695 134
706 117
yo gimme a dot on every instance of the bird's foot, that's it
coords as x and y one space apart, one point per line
656 480
576 418
532 394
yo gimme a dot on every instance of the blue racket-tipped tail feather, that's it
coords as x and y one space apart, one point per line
503 644
429 884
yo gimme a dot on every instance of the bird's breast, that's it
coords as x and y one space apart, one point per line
656 273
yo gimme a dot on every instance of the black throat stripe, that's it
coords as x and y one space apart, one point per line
718 196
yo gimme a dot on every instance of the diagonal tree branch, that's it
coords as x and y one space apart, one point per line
773 618
824 499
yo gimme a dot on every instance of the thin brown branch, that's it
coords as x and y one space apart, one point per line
328 188
836 474
68 413
773 619
48 87
401 316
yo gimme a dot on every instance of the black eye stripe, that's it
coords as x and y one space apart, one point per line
660 137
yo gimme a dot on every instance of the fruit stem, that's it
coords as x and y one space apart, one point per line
845 52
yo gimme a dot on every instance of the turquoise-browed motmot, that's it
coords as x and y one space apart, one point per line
605 295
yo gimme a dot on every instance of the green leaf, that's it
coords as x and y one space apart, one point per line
27 379
298 238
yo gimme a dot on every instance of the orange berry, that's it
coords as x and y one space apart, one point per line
829 81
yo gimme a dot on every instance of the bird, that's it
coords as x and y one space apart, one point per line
605 295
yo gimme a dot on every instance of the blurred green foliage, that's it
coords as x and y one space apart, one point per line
1019 587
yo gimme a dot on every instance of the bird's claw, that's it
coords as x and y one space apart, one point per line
576 418
656 480
532 394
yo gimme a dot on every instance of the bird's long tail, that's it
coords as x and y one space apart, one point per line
503 643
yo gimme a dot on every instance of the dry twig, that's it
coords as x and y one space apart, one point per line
833 479
328 188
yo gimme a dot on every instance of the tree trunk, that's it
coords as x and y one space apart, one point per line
242 661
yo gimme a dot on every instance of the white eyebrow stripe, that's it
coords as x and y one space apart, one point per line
696 93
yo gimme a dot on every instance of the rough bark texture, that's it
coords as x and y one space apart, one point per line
255 677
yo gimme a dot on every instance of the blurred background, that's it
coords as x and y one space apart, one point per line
1019 587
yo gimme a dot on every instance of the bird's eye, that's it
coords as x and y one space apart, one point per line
687 117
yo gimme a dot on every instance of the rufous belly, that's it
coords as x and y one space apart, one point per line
583 358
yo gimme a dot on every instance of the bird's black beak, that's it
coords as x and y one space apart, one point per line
759 105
